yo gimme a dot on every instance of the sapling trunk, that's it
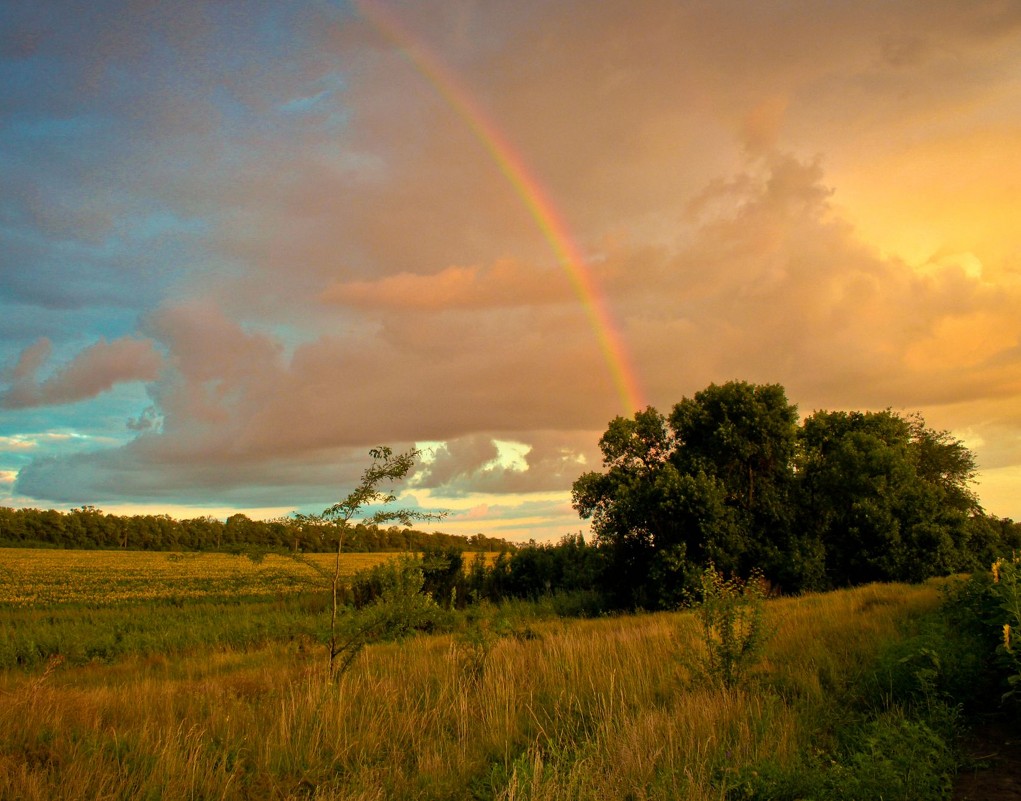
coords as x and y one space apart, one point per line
386 467
333 611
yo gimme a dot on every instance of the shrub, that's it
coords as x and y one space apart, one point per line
988 605
399 608
1007 590
731 616
444 577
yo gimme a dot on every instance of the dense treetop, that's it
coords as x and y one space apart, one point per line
731 477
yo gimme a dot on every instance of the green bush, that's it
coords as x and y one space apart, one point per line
730 613
896 758
1007 589
892 756
988 607
400 608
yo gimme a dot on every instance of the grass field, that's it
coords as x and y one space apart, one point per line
38 578
500 706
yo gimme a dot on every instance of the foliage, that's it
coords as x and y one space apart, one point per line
386 467
569 569
88 528
892 757
974 605
886 496
563 709
730 614
157 629
648 515
444 577
987 539
400 608
472 646
40 578
730 477
898 758
712 483
892 730
856 696
744 436
1007 590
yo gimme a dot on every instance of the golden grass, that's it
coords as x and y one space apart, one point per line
37 577
597 709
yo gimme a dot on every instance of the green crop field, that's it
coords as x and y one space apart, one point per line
98 578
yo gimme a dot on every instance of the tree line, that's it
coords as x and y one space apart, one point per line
87 527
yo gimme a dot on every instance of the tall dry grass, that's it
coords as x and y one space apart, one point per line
596 709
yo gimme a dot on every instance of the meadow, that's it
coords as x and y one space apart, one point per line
503 703
40 578
88 606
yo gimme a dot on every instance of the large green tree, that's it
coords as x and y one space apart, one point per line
888 497
731 478
744 436
710 483
653 520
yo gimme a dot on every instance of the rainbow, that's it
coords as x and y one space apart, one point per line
529 189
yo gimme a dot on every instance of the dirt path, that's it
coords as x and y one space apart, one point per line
995 749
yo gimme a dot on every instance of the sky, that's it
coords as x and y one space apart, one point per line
242 243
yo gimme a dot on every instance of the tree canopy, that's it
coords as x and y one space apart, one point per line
731 477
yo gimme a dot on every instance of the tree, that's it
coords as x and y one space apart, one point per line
239 529
730 478
386 467
634 451
744 436
742 433
854 468
653 519
621 502
714 482
888 497
944 463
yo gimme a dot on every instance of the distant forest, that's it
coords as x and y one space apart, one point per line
89 528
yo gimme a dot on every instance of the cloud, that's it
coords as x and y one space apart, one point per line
92 372
323 256
541 520
504 283
36 441
776 286
549 461
31 359
761 125
772 286
149 420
